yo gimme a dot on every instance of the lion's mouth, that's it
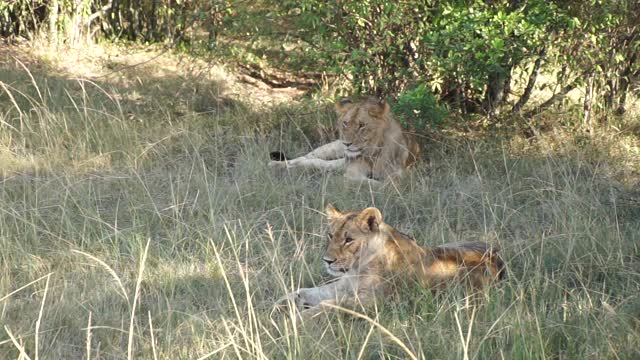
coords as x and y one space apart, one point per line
336 271
352 152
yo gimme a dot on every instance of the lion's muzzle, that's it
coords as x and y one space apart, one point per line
352 151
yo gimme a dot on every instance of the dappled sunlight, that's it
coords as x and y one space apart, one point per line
101 108
143 75
615 153
138 214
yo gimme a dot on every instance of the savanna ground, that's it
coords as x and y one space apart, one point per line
139 219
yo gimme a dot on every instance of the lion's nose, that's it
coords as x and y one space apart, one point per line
329 261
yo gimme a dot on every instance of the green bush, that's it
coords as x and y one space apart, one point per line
463 50
139 20
418 109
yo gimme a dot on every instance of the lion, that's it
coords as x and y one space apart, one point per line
372 146
367 255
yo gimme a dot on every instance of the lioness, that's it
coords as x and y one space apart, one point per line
365 255
372 146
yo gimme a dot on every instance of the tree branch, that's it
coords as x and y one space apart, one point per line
533 77
552 100
98 13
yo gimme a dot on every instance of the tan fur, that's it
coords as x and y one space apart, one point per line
372 145
365 254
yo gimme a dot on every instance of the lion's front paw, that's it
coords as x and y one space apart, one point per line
285 302
296 299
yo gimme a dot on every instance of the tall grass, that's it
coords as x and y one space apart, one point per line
129 233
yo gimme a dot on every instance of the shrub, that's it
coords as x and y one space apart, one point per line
418 109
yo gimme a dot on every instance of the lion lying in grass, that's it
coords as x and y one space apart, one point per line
365 254
372 146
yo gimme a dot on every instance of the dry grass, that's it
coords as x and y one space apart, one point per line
149 229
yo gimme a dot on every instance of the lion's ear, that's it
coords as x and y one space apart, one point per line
370 219
332 212
378 108
343 105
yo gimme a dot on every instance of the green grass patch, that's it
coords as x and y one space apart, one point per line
89 182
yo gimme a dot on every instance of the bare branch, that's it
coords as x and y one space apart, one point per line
531 83
552 100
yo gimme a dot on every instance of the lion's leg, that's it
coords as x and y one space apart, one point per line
389 171
348 292
395 176
360 172
363 178
349 304
320 164
313 163
323 306
341 291
307 298
330 151
327 156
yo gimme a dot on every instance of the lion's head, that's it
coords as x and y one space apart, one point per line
351 237
362 124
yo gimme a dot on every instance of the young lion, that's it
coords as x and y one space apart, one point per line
372 146
365 254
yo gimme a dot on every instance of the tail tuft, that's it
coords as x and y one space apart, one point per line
278 156
502 270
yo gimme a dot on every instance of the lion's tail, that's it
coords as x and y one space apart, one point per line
474 255
414 149
500 269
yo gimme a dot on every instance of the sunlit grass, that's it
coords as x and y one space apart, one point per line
132 232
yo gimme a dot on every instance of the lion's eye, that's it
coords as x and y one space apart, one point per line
348 240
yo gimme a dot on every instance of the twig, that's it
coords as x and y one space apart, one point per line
376 324
16 344
143 260
153 339
109 270
89 337
167 48
552 100
531 83
44 299
98 13
22 287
